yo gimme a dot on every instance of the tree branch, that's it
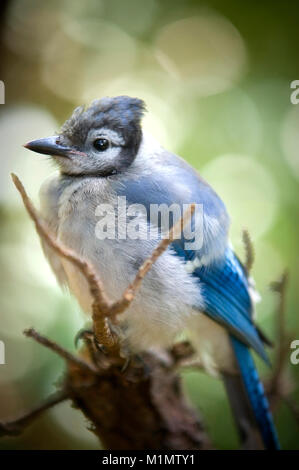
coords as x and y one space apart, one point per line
101 304
249 250
69 357
15 427
282 348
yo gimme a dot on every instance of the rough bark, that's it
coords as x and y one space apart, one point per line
142 407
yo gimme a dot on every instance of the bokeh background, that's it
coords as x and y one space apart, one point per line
216 79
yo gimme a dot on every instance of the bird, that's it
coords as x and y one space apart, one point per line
103 157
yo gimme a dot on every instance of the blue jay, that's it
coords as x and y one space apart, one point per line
102 155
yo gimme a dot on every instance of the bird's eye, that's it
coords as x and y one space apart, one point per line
101 144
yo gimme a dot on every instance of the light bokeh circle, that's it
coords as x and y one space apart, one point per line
206 52
290 139
18 125
248 190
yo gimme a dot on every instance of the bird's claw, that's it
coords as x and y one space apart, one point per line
84 334
87 335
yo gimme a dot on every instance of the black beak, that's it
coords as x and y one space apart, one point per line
50 146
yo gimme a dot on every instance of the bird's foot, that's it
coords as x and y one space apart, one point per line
84 334
96 351
87 335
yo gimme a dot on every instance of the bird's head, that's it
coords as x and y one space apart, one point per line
102 139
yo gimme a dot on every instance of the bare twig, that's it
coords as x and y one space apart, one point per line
280 385
15 427
249 250
280 287
69 357
294 408
86 268
101 304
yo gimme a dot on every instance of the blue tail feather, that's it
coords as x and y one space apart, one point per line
256 394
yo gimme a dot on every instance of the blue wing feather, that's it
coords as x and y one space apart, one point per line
256 394
224 288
